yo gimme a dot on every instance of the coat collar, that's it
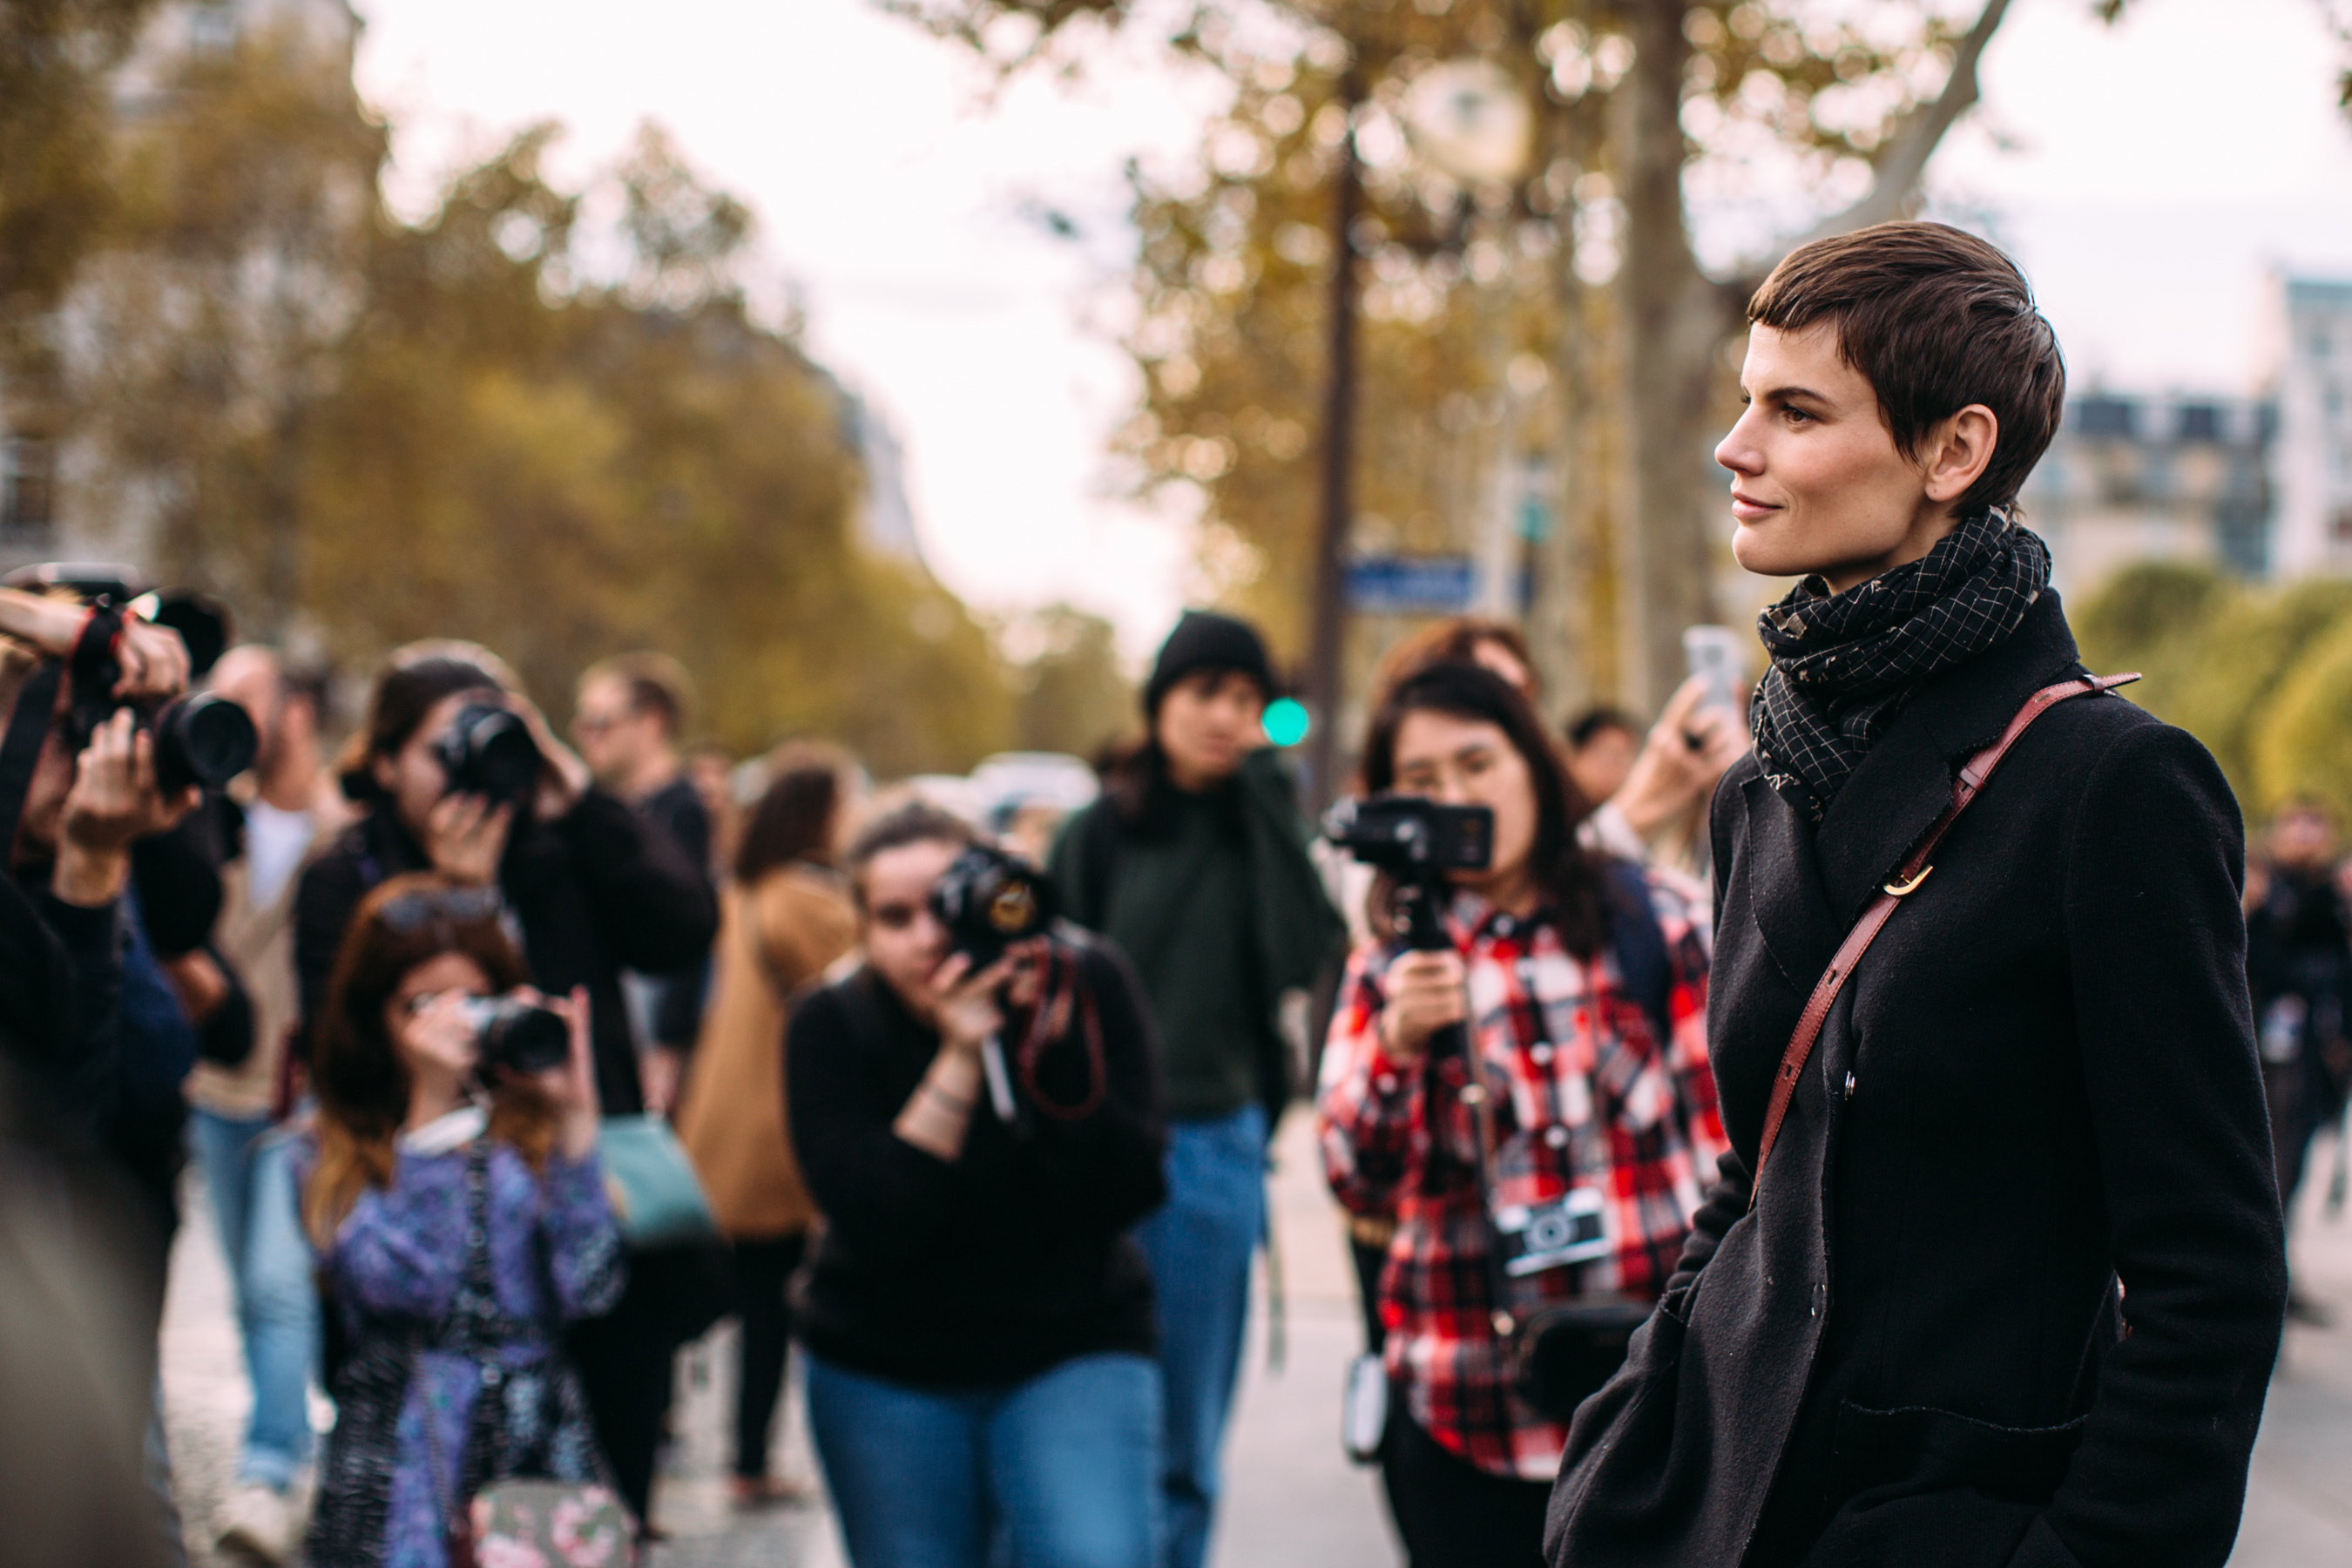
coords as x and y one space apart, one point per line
1809 885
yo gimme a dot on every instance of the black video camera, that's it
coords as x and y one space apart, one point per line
519 1036
1412 835
988 900
199 739
489 751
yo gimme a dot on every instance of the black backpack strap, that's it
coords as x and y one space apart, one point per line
1640 944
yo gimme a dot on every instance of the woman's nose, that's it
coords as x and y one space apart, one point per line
1736 452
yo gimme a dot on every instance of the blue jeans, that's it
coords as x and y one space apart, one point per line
1057 1472
250 1176
1198 1244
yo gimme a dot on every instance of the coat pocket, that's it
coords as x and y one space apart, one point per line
1933 1489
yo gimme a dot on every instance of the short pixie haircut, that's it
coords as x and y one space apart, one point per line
1934 320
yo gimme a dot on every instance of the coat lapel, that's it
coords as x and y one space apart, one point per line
1799 929
1905 781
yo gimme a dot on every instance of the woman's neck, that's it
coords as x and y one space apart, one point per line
1515 892
431 1099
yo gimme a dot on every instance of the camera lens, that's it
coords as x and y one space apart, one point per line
202 739
489 751
518 1036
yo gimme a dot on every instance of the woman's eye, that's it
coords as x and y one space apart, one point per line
1797 416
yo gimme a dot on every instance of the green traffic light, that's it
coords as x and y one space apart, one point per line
1286 721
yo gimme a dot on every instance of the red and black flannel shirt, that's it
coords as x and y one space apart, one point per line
1593 1099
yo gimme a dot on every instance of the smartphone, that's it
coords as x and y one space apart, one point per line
1712 653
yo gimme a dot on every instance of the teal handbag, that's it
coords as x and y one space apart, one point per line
656 1195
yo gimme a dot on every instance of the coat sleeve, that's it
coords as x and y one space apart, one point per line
2157 949
654 908
888 1199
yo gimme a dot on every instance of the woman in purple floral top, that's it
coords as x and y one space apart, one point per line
457 1232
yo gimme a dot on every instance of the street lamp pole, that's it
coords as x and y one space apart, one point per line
1331 610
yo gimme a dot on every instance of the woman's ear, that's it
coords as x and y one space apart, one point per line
380 769
1958 451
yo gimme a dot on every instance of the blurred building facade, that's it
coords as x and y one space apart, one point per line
2173 478
2313 461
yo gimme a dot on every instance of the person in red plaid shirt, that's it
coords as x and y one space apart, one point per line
1592 1045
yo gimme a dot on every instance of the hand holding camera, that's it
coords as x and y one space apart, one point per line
115 800
1425 991
522 1035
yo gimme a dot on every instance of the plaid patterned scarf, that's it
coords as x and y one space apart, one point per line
1844 664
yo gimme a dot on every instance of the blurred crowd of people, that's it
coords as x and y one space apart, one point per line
1004 1194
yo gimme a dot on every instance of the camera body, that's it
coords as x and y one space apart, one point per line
989 899
1532 1237
519 1036
199 739
489 751
1412 836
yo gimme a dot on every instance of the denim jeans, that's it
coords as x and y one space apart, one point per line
1198 1244
1057 1472
249 1174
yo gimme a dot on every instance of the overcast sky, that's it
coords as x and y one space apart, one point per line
2148 176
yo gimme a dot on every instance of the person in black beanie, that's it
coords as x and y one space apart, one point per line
1194 863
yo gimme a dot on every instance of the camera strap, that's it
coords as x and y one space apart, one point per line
20 753
1908 876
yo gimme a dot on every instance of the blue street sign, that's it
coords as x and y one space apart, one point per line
1409 584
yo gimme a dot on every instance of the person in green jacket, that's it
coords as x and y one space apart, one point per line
1194 863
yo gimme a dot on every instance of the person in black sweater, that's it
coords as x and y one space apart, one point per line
982 1383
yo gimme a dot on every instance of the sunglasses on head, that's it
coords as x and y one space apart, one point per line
413 912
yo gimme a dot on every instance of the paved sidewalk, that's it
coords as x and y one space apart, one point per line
1293 1501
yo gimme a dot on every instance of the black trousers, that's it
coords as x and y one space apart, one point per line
1452 1514
763 1269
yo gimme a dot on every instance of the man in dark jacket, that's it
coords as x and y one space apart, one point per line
626 718
1194 863
2008 1288
2299 969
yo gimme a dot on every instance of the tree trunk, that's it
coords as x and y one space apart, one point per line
1674 325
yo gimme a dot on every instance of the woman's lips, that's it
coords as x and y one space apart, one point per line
1746 509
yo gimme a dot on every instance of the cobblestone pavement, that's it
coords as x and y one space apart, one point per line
1293 1501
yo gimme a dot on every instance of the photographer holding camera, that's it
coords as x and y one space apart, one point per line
976 1109
1526 1088
452 1189
459 774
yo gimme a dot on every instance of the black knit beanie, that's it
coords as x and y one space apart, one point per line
1205 640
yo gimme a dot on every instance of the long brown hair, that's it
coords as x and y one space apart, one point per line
361 1084
794 820
1569 874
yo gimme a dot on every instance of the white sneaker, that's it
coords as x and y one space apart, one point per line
255 1525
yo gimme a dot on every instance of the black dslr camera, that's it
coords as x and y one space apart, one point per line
1411 836
487 751
988 900
518 1035
199 739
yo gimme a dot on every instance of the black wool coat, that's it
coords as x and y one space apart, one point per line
2041 1081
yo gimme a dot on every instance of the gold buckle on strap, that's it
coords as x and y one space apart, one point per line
1899 887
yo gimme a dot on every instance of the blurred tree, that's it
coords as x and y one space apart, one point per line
210 327
1640 109
490 423
1072 696
57 194
2258 677
2302 745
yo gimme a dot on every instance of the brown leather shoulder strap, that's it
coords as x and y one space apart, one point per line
1913 871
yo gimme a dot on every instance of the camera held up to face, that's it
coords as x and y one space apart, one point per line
988 900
